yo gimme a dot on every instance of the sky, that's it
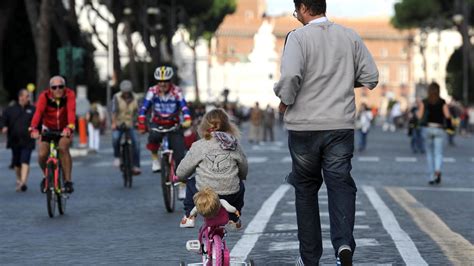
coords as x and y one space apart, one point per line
340 8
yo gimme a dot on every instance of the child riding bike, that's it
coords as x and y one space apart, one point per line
219 163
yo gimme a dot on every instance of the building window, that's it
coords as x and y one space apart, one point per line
384 52
384 74
403 74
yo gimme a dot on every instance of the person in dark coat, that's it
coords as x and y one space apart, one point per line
16 120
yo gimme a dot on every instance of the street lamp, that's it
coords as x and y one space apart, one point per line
462 20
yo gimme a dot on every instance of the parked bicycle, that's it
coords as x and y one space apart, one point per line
126 156
54 183
168 178
211 244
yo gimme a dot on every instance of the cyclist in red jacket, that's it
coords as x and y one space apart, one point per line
56 111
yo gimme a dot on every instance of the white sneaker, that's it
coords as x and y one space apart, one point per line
156 166
193 246
187 222
116 162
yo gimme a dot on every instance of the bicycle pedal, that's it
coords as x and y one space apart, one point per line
193 246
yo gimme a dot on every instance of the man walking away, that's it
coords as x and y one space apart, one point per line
17 118
322 62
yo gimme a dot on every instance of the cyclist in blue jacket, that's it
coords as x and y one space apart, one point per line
168 104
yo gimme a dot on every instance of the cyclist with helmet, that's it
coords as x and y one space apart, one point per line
124 109
168 103
56 111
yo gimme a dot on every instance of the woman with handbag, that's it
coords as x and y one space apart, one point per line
435 117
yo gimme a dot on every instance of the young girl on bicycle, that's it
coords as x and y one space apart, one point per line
219 163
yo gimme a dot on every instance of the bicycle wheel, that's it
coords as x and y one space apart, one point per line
166 185
50 194
59 194
217 251
127 166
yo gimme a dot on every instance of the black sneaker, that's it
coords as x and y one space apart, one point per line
23 188
68 187
42 185
344 256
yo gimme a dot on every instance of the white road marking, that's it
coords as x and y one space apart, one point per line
268 148
257 159
321 214
472 159
325 202
102 164
403 242
448 189
406 159
449 160
369 159
286 159
292 227
292 245
256 227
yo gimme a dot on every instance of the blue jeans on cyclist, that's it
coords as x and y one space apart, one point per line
117 135
236 200
314 154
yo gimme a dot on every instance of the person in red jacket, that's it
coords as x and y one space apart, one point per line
55 111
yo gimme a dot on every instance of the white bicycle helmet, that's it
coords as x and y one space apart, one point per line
164 73
126 86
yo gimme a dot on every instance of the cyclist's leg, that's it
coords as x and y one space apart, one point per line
136 147
236 200
190 191
65 157
116 135
43 152
177 144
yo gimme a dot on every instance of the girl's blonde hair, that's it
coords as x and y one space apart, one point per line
207 202
217 120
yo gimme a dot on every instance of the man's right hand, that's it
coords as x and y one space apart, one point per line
34 133
141 124
5 130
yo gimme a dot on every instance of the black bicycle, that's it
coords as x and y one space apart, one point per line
126 156
54 183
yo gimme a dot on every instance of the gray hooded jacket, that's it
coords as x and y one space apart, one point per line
219 163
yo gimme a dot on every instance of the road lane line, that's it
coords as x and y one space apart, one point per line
406 159
449 160
448 189
294 245
256 227
257 159
402 240
286 159
368 159
324 202
458 250
292 227
322 214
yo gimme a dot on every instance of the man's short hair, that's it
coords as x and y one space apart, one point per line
57 77
316 7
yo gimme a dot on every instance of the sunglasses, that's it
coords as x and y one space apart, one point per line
57 87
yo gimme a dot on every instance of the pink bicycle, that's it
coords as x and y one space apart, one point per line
211 243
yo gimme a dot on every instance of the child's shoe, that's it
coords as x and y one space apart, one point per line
187 222
232 226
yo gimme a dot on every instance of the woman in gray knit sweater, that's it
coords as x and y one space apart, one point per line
219 163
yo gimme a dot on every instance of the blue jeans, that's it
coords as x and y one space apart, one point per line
314 154
434 142
362 139
117 134
417 141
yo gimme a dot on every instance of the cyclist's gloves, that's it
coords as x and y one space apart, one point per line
141 123
67 132
187 123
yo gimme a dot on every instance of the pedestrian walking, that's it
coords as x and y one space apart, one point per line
16 120
414 131
94 120
256 124
434 114
363 123
268 122
322 62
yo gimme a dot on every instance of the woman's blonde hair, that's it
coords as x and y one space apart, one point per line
217 120
207 202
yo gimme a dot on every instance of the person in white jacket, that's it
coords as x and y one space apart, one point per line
364 121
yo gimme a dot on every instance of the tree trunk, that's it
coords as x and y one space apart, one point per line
117 69
131 54
6 10
195 74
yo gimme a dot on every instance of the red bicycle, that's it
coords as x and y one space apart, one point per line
211 243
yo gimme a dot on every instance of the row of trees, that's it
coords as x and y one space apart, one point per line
437 15
31 31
